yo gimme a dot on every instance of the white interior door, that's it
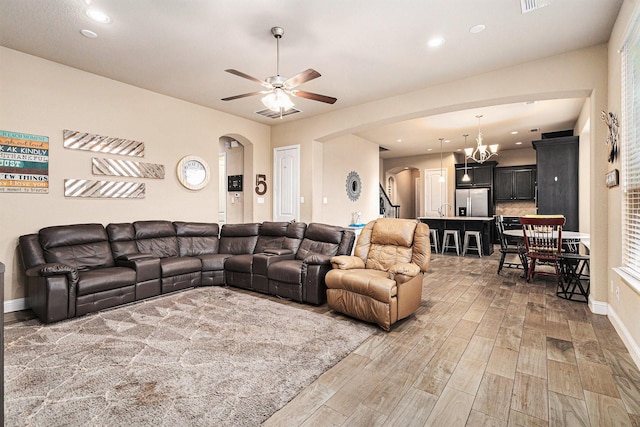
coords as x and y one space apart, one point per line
435 192
286 183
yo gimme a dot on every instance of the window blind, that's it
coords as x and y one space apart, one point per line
630 151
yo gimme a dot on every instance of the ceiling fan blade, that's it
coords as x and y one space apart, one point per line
314 96
244 95
245 76
302 77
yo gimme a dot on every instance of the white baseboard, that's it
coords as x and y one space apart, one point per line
629 342
15 305
598 307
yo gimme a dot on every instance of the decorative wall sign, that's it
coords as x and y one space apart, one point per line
612 138
354 186
234 183
193 172
261 184
24 163
103 189
130 168
612 178
102 144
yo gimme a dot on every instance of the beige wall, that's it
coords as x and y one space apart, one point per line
339 155
625 313
43 98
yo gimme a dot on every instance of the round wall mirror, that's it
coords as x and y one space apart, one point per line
354 186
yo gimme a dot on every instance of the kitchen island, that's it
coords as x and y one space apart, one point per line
483 224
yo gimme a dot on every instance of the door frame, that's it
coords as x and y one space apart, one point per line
276 183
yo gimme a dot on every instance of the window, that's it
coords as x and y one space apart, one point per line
630 151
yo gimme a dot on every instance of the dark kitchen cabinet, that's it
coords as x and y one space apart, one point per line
481 175
515 183
557 163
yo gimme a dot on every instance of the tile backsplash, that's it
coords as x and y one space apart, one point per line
516 208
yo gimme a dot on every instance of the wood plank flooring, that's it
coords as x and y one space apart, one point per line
482 350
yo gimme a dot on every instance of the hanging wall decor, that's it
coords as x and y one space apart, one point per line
193 172
24 163
129 168
102 144
612 138
354 186
103 189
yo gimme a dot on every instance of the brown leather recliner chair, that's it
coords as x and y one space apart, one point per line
382 283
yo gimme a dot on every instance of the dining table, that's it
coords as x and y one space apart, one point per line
571 238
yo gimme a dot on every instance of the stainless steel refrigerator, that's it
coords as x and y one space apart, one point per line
472 202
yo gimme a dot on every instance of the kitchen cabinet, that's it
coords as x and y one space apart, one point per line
481 175
515 183
557 163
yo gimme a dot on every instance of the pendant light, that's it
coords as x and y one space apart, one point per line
465 177
441 175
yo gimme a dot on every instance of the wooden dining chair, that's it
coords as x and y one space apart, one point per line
507 249
543 242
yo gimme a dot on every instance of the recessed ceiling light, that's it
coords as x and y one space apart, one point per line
477 29
398 140
515 132
519 143
89 34
447 140
436 41
98 16
459 149
429 149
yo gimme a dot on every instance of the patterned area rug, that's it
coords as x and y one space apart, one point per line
207 356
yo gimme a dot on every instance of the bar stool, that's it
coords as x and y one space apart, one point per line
478 247
574 282
456 241
434 239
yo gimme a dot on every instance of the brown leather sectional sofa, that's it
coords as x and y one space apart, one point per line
77 269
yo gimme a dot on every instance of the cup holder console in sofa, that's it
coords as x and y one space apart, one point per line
74 270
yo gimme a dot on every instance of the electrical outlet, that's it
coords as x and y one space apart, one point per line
618 293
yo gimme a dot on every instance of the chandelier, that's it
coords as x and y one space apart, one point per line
480 154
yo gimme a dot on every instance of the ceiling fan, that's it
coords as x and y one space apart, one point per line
278 87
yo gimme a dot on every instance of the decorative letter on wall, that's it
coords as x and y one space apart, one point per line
102 144
261 184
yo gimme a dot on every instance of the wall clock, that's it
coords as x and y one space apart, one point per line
193 172
354 186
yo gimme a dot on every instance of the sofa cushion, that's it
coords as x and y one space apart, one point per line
237 239
239 263
321 239
122 239
105 279
213 262
179 265
197 238
156 237
82 246
289 271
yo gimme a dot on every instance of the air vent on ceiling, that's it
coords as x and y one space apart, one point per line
531 5
276 115
381 148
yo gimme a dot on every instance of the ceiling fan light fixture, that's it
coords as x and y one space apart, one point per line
277 101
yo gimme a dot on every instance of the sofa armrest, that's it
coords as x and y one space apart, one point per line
317 259
403 272
54 269
133 257
346 262
278 251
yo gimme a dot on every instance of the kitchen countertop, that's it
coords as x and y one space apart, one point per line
459 218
